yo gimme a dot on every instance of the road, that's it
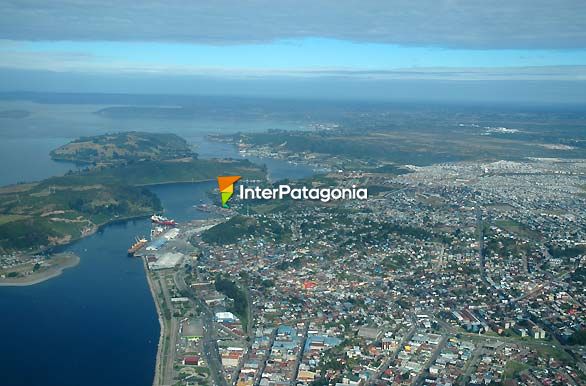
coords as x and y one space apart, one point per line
264 362
300 354
385 365
249 334
168 342
421 376
209 340
473 362
170 339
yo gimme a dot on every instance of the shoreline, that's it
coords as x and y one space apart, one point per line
98 227
178 182
60 248
157 375
50 273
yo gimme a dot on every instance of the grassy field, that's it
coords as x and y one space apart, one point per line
42 217
123 147
517 229
420 142
6 218
160 172
514 368
60 209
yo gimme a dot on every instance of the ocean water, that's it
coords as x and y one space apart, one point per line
96 324
27 159
25 143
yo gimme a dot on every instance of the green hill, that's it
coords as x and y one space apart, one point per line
123 147
58 210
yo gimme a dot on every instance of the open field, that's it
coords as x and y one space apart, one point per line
123 147
61 209
424 138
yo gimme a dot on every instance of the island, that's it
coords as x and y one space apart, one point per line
123 148
35 217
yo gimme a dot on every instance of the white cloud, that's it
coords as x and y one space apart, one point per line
444 23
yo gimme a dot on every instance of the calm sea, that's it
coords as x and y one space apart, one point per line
96 324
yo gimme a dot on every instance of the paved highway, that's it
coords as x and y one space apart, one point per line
209 342
385 365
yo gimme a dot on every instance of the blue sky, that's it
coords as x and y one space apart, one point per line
302 54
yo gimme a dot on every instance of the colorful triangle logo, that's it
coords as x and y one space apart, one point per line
226 185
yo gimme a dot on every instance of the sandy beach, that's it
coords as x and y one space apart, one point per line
63 261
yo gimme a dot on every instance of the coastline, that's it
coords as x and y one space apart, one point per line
157 375
98 227
50 273
176 182
54 272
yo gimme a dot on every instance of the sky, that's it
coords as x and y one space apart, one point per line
518 50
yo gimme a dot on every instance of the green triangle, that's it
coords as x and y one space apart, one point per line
225 197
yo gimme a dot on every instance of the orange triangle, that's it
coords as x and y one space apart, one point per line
226 181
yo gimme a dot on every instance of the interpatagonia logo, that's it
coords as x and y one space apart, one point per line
226 185
303 193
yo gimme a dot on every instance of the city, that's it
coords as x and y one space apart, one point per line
293 193
463 273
